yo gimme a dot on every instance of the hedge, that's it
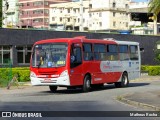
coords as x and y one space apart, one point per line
152 70
6 74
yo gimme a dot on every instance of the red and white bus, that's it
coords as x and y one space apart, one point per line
78 61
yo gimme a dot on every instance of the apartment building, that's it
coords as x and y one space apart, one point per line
67 16
109 15
105 15
35 13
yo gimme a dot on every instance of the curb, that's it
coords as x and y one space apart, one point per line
137 104
25 83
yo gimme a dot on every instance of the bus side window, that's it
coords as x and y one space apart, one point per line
133 52
112 52
76 56
87 52
123 52
99 52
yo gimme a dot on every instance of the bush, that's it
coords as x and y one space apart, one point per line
6 74
152 70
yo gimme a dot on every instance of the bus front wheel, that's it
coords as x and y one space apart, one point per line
124 81
53 88
87 84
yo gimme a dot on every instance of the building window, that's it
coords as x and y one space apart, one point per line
46 3
46 20
23 54
126 24
68 10
90 15
60 19
53 18
38 3
37 11
27 4
100 14
5 54
100 24
38 20
126 6
46 11
114 5
114 14
68 19
114 24
90 6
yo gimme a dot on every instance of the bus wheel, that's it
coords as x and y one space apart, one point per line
124 81
87 83
53 88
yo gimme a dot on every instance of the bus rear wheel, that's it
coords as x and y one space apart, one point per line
124 81
87 84
53 88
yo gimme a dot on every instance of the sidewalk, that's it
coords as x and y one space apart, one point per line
149 100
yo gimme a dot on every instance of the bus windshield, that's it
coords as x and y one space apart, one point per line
49 55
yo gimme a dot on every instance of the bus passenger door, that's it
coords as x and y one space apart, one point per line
76 77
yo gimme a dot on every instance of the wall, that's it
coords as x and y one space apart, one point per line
15 37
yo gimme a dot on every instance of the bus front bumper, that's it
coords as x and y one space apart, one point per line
59 81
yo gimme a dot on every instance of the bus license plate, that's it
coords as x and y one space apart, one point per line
47 80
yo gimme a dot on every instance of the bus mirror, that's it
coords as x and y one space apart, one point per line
142 49
72 58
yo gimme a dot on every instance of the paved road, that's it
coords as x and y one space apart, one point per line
39 98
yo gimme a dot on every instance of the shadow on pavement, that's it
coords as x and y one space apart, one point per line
138 84
79 90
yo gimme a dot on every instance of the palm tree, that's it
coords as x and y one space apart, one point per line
154 7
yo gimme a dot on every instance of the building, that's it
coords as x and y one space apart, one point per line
141 21
98 15
66 16
109 15
35 13
10 14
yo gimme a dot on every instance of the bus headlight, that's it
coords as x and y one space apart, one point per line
32 74
64 73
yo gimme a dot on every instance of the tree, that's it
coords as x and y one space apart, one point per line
154 7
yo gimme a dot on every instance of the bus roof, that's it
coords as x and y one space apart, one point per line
75 40
127 42
82 39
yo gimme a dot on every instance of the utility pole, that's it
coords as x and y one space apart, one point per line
81 16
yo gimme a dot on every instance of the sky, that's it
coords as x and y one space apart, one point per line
140 0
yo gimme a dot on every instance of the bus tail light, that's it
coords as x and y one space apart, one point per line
64 73
32 74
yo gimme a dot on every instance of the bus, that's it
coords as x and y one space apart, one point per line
86 63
